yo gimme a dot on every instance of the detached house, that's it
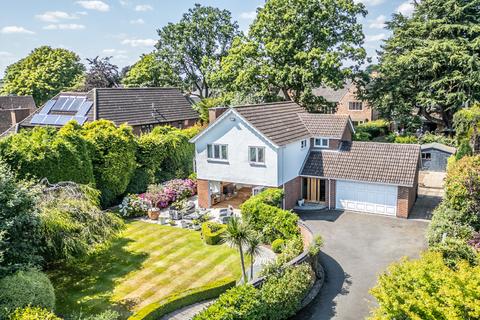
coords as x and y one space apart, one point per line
142 108
311 156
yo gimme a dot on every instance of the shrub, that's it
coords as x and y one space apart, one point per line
239 303
19 224
25 288
71 223
362 136
113 156
33 313
292 248
462 185
454 250
133 206
406 139
373 128
161 196
265 217
430 137
464 149
316 246
277 245
212 232
427 289
58 155
475 241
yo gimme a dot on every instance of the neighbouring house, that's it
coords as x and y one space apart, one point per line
14 109
311 156
435 156
348 103
141 108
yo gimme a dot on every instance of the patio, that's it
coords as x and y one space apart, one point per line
235 201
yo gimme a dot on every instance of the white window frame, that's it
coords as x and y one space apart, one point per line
355 104
303 144
321 145
250 148
211 152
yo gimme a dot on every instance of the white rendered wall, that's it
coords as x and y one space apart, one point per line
291 159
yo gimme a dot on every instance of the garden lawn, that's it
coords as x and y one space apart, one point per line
146 264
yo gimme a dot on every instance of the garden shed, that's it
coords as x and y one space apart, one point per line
435 156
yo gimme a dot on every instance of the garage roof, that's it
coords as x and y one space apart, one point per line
386 163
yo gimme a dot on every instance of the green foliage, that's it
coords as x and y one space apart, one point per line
428 289
430 137
25 288
406 139
316 246
362 136
212 232
426 66
374 128
33 313
266 218
291 249
195 45
43 73
106 315
454 250
180 300
467 124
151 71
239 303
113 157
19 224
203 106
72 225
464 150
294 46
58 155
462 185
277 245
452 223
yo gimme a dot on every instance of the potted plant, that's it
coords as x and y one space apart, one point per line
153 210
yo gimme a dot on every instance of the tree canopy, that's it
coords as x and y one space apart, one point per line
151 71
430 66
195 45
43 73
294 46
101 74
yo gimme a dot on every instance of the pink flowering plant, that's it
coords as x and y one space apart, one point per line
133 206
161 196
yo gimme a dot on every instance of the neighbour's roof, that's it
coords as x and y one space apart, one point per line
385 163
331 94
439 146
138 106
17 102
325 125
278 121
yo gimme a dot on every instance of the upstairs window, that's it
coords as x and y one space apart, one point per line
217 151
303 144
355 106
256 155
321 142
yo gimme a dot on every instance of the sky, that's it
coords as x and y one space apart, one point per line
125 29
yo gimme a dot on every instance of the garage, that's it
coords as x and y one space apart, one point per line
366 197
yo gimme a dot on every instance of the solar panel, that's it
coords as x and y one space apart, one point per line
50 119
62 120
76 104
38 119
84 108
59 104
47 107
80 120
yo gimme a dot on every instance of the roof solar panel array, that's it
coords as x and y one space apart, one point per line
76 106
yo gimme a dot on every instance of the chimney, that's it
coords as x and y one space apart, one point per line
13 115
214 113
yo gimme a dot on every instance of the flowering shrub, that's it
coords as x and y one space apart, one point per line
475 241
133 206
161 196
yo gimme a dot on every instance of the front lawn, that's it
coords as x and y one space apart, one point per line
146 264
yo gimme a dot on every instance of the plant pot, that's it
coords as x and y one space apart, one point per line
154 213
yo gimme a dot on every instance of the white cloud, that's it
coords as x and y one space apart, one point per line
15 29
94 5
370 2
55 16
137 21
250 15
62 26
113 51
378 23
5 54
375 37
124 3
406 8
139 42
143 7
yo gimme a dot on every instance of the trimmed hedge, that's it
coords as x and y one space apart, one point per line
212 232
176 301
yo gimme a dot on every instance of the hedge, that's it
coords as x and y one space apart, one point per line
179 300
212 237
33 313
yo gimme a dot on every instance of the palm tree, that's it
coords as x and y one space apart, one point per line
253 250
237 235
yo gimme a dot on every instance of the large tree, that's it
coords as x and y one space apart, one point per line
101 74
294 46
43 73
151 71
195 45
430 66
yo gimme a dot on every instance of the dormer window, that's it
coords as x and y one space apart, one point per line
321 142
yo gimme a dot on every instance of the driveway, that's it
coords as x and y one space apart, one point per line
357 248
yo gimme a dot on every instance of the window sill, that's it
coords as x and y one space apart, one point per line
255 164
218 161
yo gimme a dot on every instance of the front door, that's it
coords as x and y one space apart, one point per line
314 189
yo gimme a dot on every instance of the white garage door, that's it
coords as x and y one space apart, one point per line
365 197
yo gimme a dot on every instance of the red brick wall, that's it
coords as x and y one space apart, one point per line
293 192
365 114
203 193
214 113
331 191
406 200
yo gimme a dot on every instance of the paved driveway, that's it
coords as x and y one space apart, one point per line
357 248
